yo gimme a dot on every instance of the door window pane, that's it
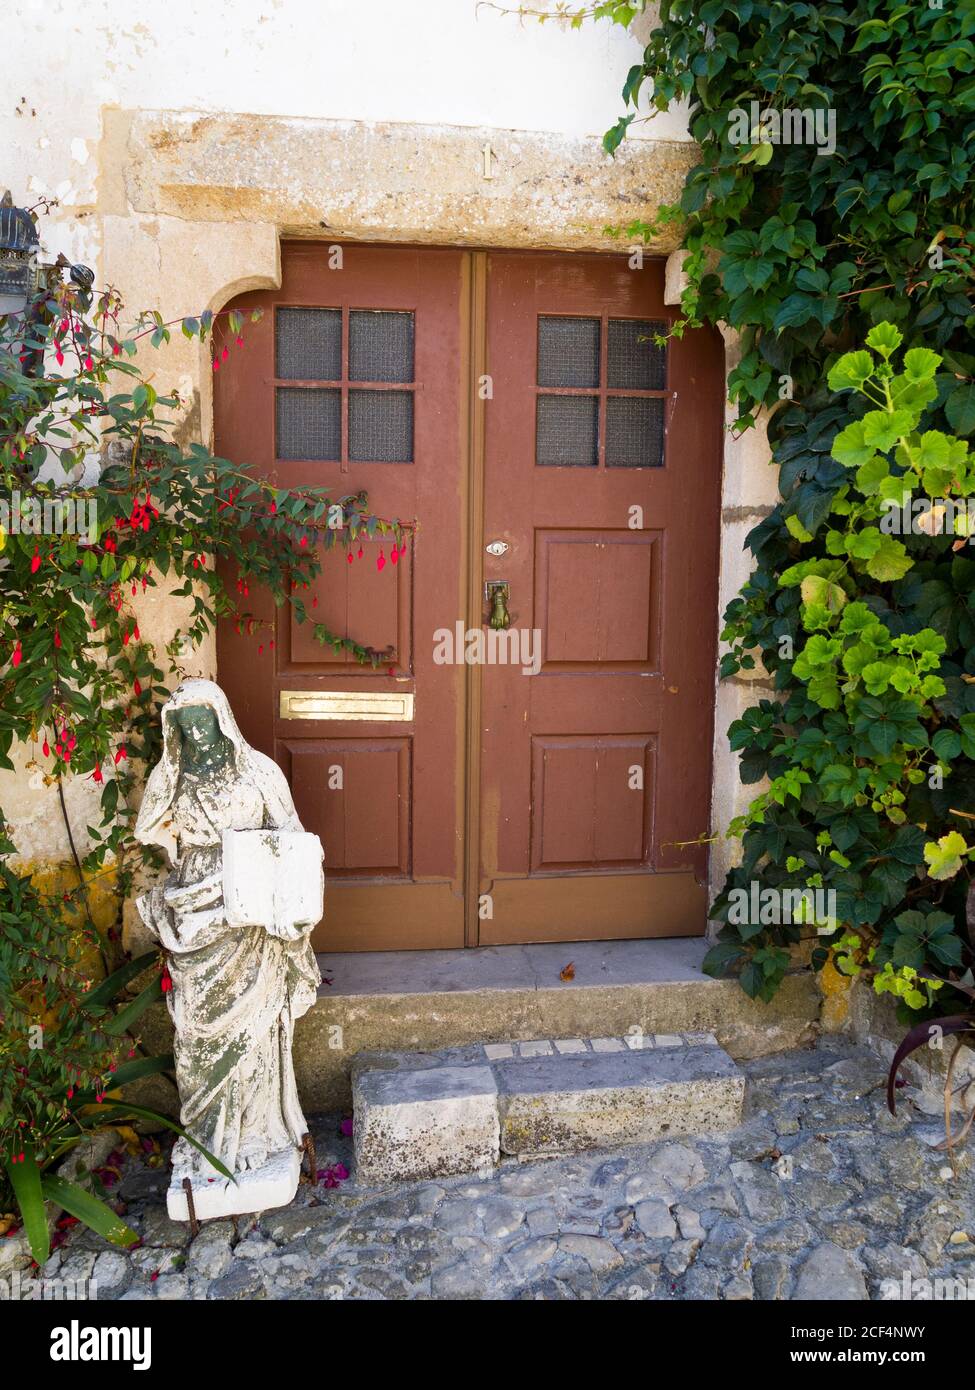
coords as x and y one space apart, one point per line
568 351
308 423
380 345
567 431
308 344
634 432
634 362
381 426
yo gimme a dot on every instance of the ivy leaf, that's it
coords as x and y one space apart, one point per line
890 561
871 475
884 338
920 363
947 744
796 309
850 372
960 408
850 447
882 428
944 857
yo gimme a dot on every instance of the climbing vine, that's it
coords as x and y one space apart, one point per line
827 219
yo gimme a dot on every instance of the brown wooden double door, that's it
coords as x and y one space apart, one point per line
549 780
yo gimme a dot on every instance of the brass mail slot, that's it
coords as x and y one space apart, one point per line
376 706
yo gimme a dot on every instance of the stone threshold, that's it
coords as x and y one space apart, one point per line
514 967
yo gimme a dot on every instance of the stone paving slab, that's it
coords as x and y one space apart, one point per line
819 1193
414 1115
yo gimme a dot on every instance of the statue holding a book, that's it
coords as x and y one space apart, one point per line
234 918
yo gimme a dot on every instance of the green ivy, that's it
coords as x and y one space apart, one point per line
849 278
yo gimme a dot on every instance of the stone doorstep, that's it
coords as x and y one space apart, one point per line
435 1114
426 1001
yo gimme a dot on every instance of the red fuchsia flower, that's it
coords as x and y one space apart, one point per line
35 563
303 541
153 1276
17 656
260 649
239 342
116 349
46 749
216 364
359 552
380 561
225 354
59 356
96 776
349 557
57 638
165 980
137 687
394 555
120 754
273 508
88 363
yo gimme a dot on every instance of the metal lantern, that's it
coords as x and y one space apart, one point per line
19 245
26 285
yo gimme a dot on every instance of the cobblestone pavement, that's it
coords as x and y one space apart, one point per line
856 1198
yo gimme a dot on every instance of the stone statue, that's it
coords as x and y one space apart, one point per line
233 918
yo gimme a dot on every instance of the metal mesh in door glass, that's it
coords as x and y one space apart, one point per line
308 423
381 426
634 432
380 345
634 362
568 351
567 431
308 344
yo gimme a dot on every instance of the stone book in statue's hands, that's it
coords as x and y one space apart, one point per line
273 878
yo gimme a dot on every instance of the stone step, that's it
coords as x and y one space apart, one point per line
423 1001
434 1114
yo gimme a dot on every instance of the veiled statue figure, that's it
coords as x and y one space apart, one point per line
234 918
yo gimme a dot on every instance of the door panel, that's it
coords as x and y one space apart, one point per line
602 477
355 379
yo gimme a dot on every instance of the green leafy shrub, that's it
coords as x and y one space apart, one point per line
869 639
870 750
66 1054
